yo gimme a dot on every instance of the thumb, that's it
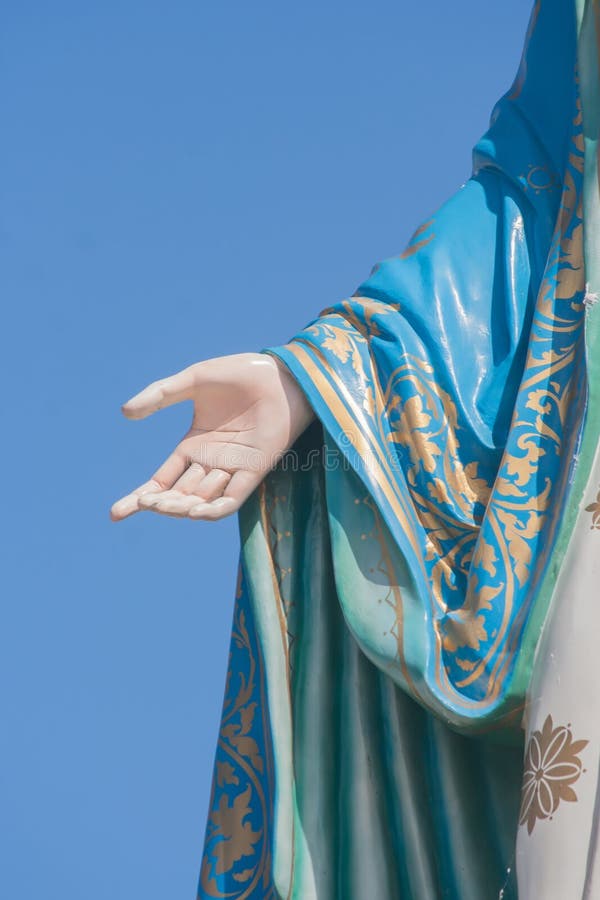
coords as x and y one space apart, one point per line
159 394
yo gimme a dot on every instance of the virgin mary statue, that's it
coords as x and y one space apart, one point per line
412 707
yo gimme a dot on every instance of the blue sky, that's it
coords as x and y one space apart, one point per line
178 180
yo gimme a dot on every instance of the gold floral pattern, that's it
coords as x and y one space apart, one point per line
552 766
594 509
422 236
476 524
237 854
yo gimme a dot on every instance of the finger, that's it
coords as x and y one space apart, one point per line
213 510
177 503
238 490
129 504
191 479
168 503
161 393
203 486
162 479
171 470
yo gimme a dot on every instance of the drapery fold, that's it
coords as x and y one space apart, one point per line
370 794
398 566
455 382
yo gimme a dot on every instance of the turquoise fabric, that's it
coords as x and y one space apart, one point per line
398 566
330 781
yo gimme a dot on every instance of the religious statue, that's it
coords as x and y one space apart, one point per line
412 708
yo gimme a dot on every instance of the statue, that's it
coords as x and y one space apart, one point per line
411 707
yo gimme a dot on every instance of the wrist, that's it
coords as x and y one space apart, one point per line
301 412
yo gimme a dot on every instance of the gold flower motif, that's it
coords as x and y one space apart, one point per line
552 766
594 508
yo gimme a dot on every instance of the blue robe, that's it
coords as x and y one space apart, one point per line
397 567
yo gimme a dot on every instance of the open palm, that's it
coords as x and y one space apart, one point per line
248 411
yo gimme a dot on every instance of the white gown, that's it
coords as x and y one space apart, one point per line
557 846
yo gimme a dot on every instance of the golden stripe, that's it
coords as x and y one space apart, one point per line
369 452
264 516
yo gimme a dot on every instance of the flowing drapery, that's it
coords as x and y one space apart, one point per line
398 567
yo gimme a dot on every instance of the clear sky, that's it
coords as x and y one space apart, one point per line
178 180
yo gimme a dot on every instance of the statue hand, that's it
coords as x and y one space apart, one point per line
248 411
